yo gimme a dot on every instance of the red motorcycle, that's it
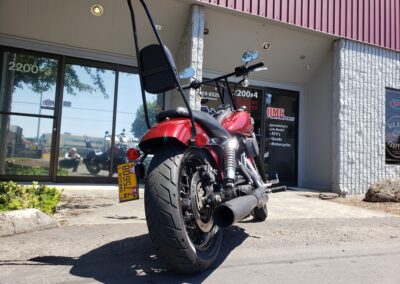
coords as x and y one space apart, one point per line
206 173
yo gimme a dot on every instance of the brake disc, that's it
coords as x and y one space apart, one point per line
201 213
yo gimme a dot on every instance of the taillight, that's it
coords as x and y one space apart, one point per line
132 154
201 140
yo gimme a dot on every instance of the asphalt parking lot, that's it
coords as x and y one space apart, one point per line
304 240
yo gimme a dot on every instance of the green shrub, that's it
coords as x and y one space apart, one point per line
16 196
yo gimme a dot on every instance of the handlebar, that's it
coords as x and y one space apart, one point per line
239 71
243 70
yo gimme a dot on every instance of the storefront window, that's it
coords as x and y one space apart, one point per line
27 103
28 84
86 122
80 123
27 145
130 122
392 130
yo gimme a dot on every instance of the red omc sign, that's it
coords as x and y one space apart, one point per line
275 112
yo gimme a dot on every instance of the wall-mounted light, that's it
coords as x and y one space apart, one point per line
303 57
97 10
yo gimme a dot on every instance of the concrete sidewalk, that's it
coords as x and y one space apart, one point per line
305 240
94 204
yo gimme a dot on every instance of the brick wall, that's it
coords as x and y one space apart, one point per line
361 74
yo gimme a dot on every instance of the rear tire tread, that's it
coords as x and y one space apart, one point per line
166 227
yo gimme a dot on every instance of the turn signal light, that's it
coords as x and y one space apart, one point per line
132 154
201 140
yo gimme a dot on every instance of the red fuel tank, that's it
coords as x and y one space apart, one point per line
238 122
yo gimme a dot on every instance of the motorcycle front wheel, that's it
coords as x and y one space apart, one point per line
180 225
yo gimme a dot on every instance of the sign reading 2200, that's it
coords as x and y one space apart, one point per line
28 68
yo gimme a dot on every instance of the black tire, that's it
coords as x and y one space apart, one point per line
260 214
176 243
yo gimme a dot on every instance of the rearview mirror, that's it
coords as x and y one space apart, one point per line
250 56
187 73
155 70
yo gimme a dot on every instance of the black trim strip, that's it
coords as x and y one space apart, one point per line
90 63
57 121
27 114
113 126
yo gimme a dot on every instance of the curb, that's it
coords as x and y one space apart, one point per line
26 220
328 195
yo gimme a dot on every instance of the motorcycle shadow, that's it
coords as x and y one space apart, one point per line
133 260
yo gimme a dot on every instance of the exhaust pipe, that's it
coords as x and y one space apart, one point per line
232 211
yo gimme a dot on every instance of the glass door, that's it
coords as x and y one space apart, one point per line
27 113
251 98
281 135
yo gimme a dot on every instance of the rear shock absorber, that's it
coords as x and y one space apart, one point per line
231 146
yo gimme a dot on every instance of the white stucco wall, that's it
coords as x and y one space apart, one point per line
317 127
362 72
190 54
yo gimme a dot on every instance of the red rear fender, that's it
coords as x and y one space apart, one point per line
167 131
176 130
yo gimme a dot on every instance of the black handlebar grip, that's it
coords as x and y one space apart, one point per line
255 66
193 85
243 70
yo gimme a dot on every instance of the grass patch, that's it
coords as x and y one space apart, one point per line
22 170
387 207
17 196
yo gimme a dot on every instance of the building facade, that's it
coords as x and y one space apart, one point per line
327 111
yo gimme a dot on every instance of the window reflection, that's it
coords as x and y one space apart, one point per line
28 84
27 145
86 123
28 88
130 123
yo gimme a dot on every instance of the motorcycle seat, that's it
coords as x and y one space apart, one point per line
210 124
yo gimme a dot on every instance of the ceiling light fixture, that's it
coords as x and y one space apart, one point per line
266 45
96 10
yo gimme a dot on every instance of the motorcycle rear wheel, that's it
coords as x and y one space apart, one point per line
92 167
174 226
